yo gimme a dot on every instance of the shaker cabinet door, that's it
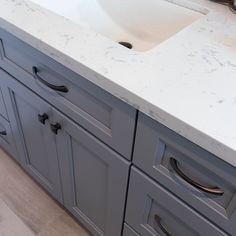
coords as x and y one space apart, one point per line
35 141
94 179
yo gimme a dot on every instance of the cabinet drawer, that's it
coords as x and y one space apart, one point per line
185 168
108 118
3 111
6 138
128 231
152 210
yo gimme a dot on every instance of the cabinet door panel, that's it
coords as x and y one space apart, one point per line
35 140
94 179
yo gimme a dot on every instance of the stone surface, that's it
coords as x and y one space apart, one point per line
187 83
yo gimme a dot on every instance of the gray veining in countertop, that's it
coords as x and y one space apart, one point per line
187 83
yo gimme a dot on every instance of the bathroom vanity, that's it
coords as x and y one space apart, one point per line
121 165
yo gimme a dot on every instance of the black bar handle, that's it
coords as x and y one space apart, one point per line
4 133
207 189
58 88
55 127
42 118
161 227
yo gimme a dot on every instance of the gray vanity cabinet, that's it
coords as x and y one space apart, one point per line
70 135
80 171
35 141
94 178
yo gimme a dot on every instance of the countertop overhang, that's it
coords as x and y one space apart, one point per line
186 83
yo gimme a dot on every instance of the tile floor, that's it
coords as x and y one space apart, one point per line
26 209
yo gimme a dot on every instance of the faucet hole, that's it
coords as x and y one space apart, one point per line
126 44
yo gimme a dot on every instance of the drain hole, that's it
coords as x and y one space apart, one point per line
126 44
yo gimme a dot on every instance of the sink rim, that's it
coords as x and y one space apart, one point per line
151 45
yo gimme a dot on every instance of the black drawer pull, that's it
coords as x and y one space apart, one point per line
59 88
4 133
161 227
207 189
42 118
55 127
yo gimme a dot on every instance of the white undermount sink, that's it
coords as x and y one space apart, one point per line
142 23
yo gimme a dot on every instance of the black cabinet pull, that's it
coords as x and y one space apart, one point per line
42 118
207 189
161 227
59 88
55 127
3 133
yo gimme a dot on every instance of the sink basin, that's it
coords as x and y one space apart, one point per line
140 24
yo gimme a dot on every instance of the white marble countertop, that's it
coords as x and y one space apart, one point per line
186 83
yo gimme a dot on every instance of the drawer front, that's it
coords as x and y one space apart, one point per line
6 138
108 118
128 231
3 111
187 170
153 210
